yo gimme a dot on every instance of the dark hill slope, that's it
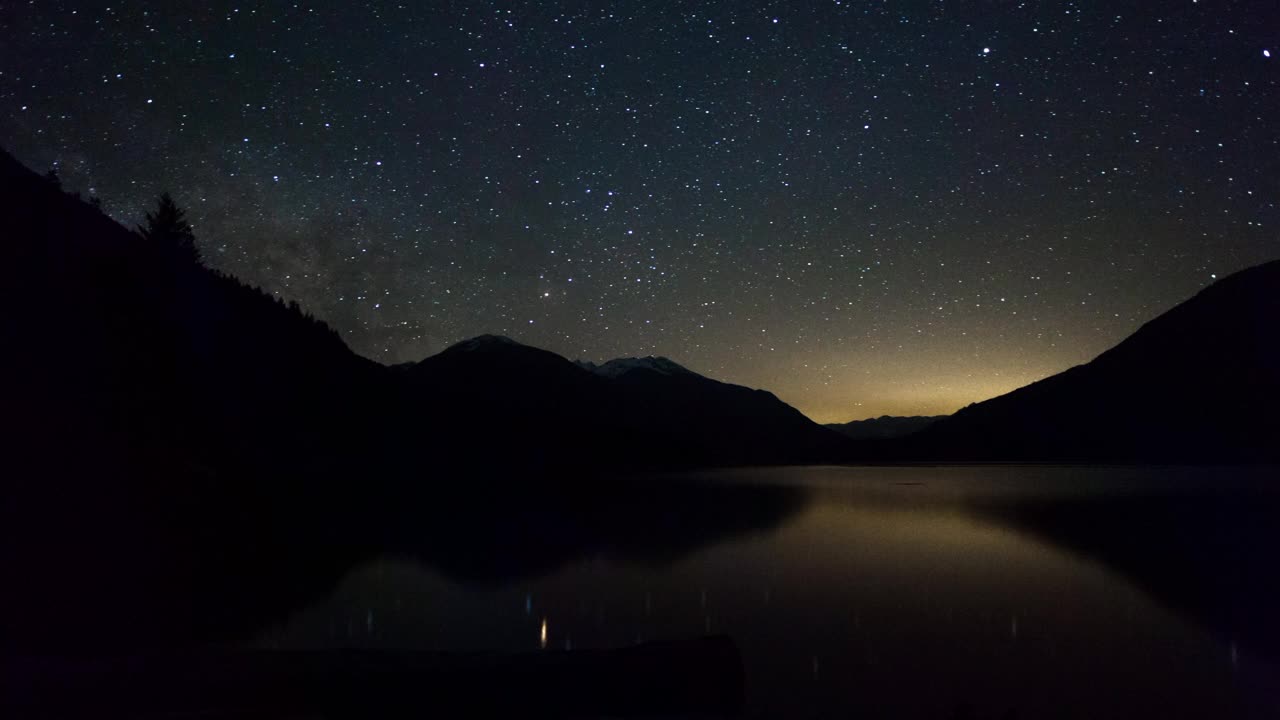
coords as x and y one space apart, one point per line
726 423
125 357
1200 383
169 437
497 399
117 347
490 401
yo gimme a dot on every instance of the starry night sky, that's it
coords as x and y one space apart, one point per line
866 207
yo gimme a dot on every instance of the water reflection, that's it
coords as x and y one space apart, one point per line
1202 550
485 540
903 592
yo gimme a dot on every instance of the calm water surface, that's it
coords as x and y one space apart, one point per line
984 592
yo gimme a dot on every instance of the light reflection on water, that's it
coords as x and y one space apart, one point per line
898 592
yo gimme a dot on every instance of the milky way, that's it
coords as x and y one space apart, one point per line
865 207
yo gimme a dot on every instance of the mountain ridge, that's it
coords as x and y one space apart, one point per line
633 411
1197 383
188 354
623 365
885 427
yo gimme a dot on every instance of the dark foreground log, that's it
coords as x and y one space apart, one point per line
697 678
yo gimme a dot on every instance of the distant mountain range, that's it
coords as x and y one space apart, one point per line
621 366
885 427
120 357
633 412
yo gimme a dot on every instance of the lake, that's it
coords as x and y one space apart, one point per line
913 592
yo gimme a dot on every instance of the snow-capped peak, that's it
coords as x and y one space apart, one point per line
621 366
485 341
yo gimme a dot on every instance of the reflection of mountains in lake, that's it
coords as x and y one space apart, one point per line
1206 553
794 560
1199 541
962 580
188 582
520 533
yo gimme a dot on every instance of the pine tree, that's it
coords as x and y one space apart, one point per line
168 227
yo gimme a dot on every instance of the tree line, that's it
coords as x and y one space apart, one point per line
166 231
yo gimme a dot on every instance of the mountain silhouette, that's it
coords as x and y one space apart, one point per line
139 365
163 425
124 357
186 456
172 433
885 427
715 420
621 366
544 410
1200 383
153 365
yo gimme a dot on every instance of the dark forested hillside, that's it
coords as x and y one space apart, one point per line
125 355
135 353
164 427
1200 383
119 347
184 454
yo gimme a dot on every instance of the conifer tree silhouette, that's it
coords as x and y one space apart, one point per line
168 227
